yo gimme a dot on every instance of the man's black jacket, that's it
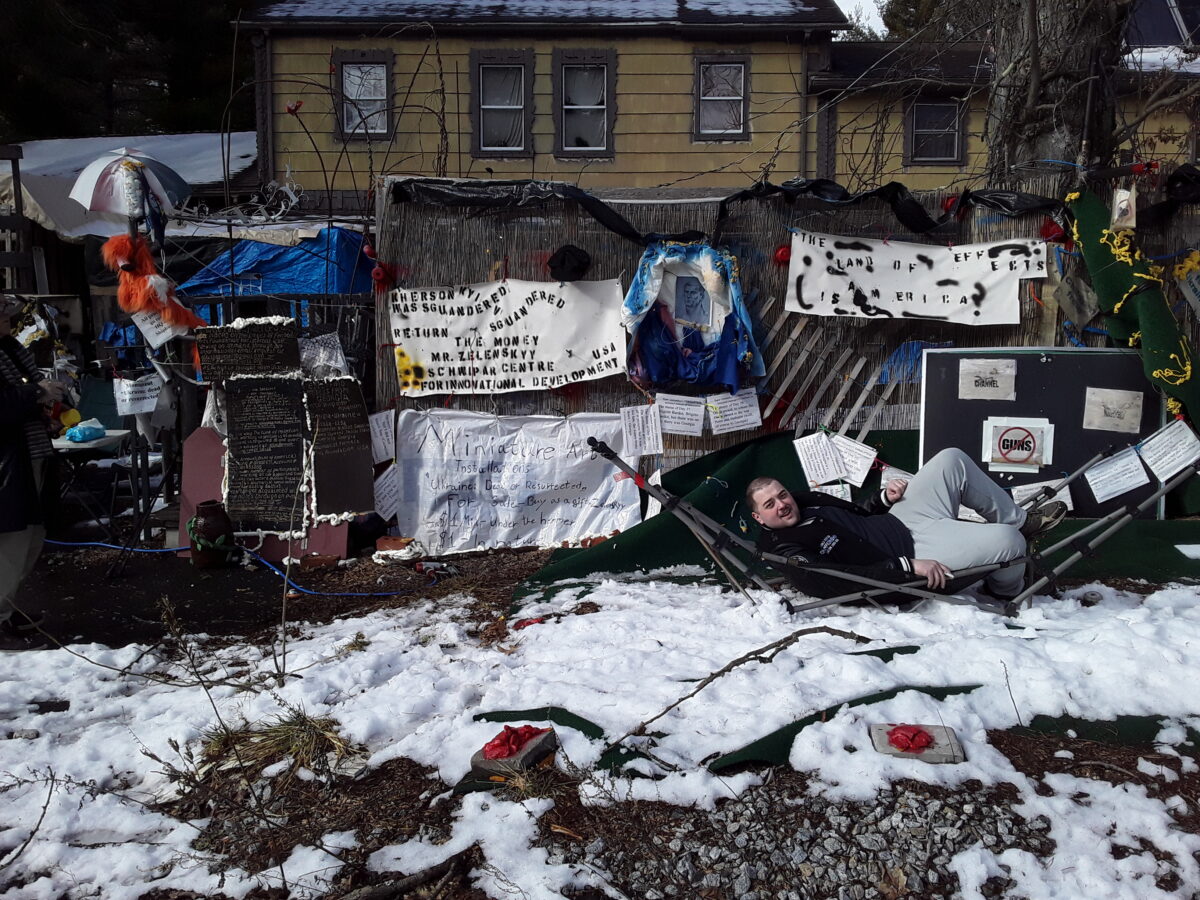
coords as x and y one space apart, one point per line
836 539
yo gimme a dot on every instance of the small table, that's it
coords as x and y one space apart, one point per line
110 440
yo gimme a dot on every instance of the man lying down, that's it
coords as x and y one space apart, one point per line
908 528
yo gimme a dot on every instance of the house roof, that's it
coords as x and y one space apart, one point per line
1161 23
867 63
530 15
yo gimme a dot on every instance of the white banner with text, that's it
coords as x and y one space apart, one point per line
971 284
505 336
470 481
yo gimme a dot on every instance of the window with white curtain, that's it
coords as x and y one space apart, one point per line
584 106
722 98
502 103
934 132
364 82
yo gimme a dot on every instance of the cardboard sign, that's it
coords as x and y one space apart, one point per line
970 284
505 336
137 395
469 481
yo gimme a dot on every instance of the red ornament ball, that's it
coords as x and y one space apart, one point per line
783 254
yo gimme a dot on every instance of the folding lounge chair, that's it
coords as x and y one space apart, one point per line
740 559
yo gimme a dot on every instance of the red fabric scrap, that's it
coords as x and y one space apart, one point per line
525 623
510 741
910 738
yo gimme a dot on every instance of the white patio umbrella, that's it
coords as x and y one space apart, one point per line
119 181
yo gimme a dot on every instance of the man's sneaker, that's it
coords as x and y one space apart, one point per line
20 622
1042 518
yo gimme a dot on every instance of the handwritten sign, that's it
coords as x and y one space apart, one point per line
733 412
819 458
154 329
387 492
383 435
505 336
1106 409
136 395
971 284
987 379
470 481
249 347
640 425
857 458
1170 449
1120 473
680 415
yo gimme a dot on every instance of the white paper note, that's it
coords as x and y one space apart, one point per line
653 507
1117 475
733 412
820 459
1170 450
387 492
643 434
383 435
155 330
1105 409
680 415
1022 492
987 379
840 490
136 395
857 458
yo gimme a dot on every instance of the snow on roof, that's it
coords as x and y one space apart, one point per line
49 169
1151 59
631 12
196 157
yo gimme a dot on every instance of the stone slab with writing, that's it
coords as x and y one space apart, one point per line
341 436
249 347
266 453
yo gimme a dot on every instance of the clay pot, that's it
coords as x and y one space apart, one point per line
211 533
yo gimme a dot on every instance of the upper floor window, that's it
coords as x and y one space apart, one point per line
933 133
584 103
364 83
502 103
722 98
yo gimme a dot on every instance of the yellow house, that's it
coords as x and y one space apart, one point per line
654 94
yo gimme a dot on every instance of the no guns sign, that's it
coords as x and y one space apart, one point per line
1017 445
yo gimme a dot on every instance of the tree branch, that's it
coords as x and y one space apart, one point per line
1123 133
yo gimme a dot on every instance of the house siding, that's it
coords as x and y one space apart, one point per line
652 132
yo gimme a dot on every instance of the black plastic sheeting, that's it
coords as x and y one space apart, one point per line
907 209
1183 186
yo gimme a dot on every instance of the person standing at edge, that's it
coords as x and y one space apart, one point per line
25 451
911 526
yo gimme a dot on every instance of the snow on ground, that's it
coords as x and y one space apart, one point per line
414 690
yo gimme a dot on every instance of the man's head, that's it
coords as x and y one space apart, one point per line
771 503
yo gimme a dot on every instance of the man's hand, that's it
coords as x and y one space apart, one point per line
935 574
50 391
894 490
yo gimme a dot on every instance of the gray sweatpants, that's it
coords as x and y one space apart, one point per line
19 551
929 508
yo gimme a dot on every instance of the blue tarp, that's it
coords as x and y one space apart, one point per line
331 263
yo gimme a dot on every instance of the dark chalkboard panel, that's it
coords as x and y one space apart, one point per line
266 453
341 435
252 348
1050 384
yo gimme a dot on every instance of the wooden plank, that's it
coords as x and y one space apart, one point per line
13 223
13 260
